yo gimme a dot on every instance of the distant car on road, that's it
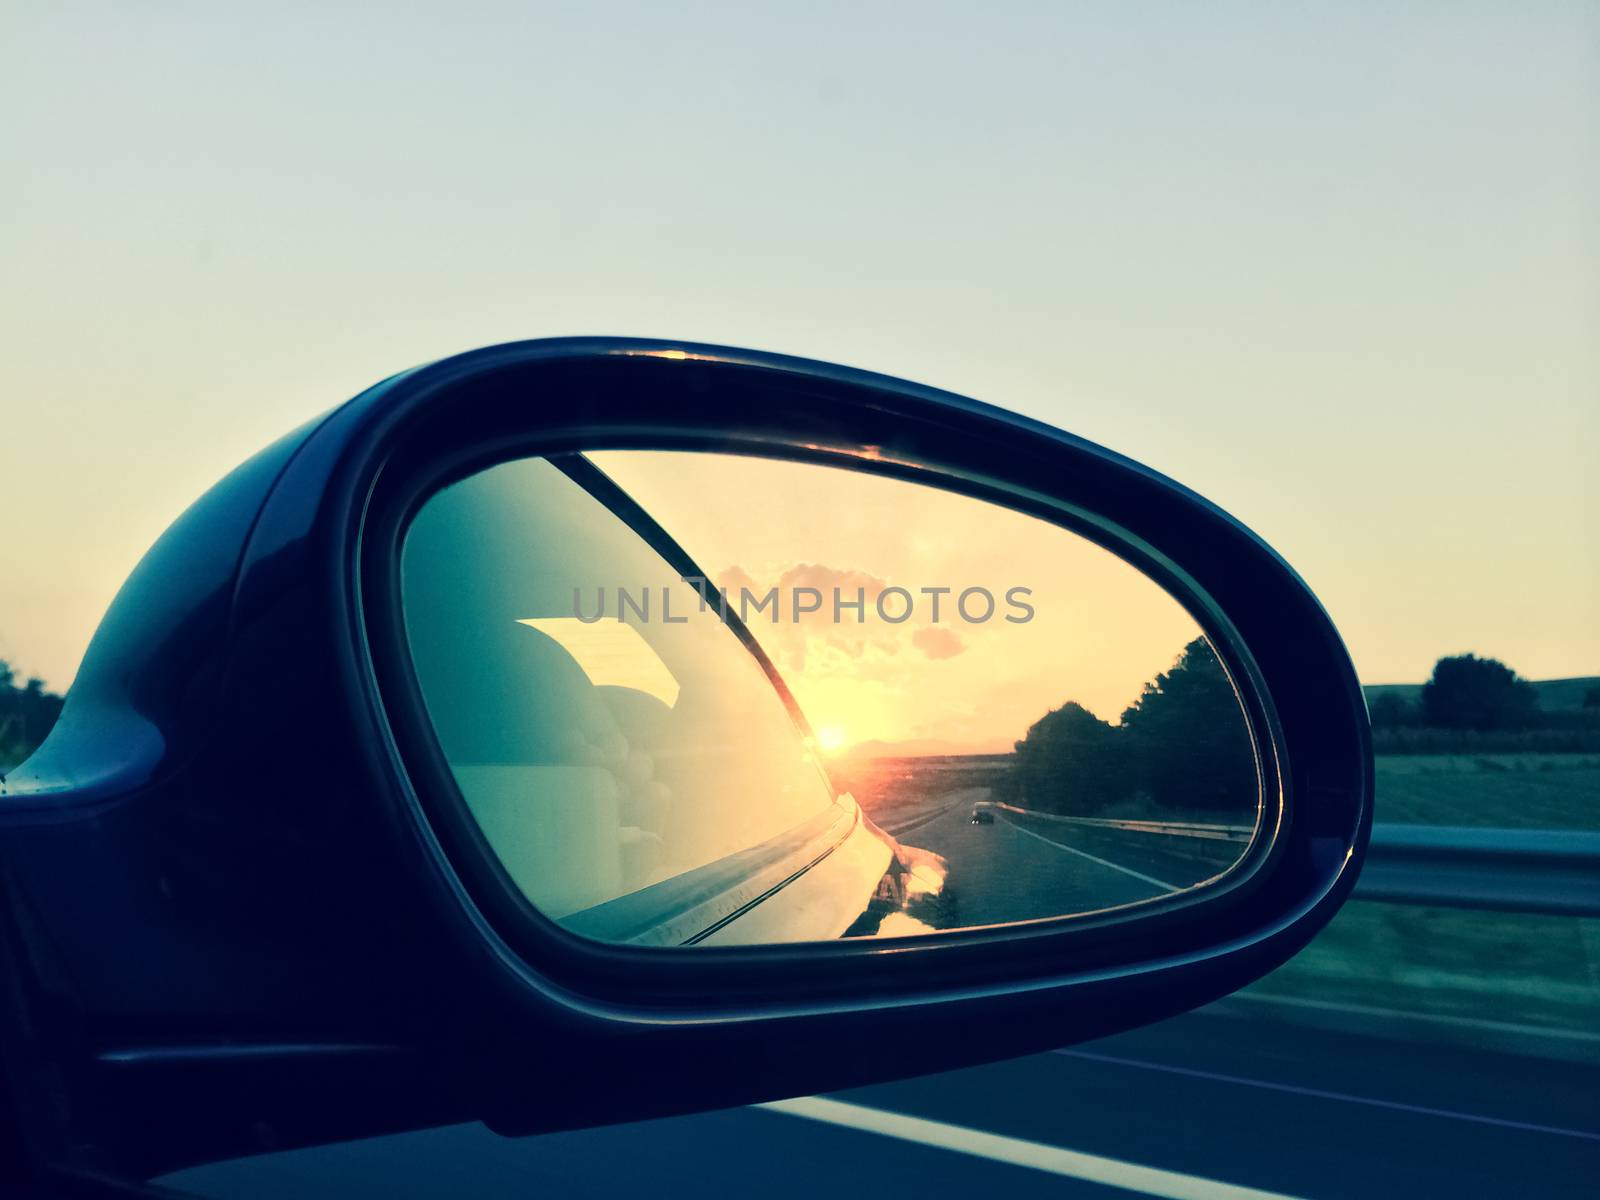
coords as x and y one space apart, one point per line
982 816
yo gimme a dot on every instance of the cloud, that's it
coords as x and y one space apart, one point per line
825 579
808 594
734 578
825 642
938 642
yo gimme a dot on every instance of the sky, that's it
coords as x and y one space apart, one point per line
1335 266
998 618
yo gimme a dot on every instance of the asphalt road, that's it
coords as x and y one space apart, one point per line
1020 868
1198 1106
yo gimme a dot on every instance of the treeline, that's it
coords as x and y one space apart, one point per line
1479 705
1181 749
27 714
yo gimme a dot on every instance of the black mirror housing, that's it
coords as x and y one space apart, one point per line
239 916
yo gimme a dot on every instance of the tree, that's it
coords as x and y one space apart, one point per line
1071 762
1188 739
1468 692
1183 745
26 716
1390 710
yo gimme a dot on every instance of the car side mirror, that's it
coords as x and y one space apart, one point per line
588 730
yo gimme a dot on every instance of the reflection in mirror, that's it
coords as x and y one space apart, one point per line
696 699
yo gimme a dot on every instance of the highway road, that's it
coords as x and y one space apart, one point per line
1200 1106
1024 867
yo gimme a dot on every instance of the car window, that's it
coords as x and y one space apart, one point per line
599 755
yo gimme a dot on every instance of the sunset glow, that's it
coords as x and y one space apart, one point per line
831 739
971 621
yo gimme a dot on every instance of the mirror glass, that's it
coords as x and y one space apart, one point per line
706 699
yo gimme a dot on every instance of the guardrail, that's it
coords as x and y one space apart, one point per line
1453 866
1194 829
1510 870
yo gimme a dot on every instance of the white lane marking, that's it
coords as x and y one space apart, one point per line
1321 1094
1161 883
1074 1164
1377 1010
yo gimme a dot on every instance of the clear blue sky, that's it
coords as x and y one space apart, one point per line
1336 266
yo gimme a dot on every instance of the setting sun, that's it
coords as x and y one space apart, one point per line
831 739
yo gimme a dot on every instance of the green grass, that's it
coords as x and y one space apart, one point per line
1442 973
1511 791
1453 968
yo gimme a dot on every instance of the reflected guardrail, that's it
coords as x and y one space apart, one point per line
1508 870
1452 866
1195 829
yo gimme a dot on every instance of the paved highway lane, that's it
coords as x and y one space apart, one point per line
1002 872
1175 860
1292 1110
1022 867
1194 1107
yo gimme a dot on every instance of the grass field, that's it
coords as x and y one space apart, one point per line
1511 791
1459 975
1518 981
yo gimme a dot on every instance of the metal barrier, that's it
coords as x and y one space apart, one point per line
1511 870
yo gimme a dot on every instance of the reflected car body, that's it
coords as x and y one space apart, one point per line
647 783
